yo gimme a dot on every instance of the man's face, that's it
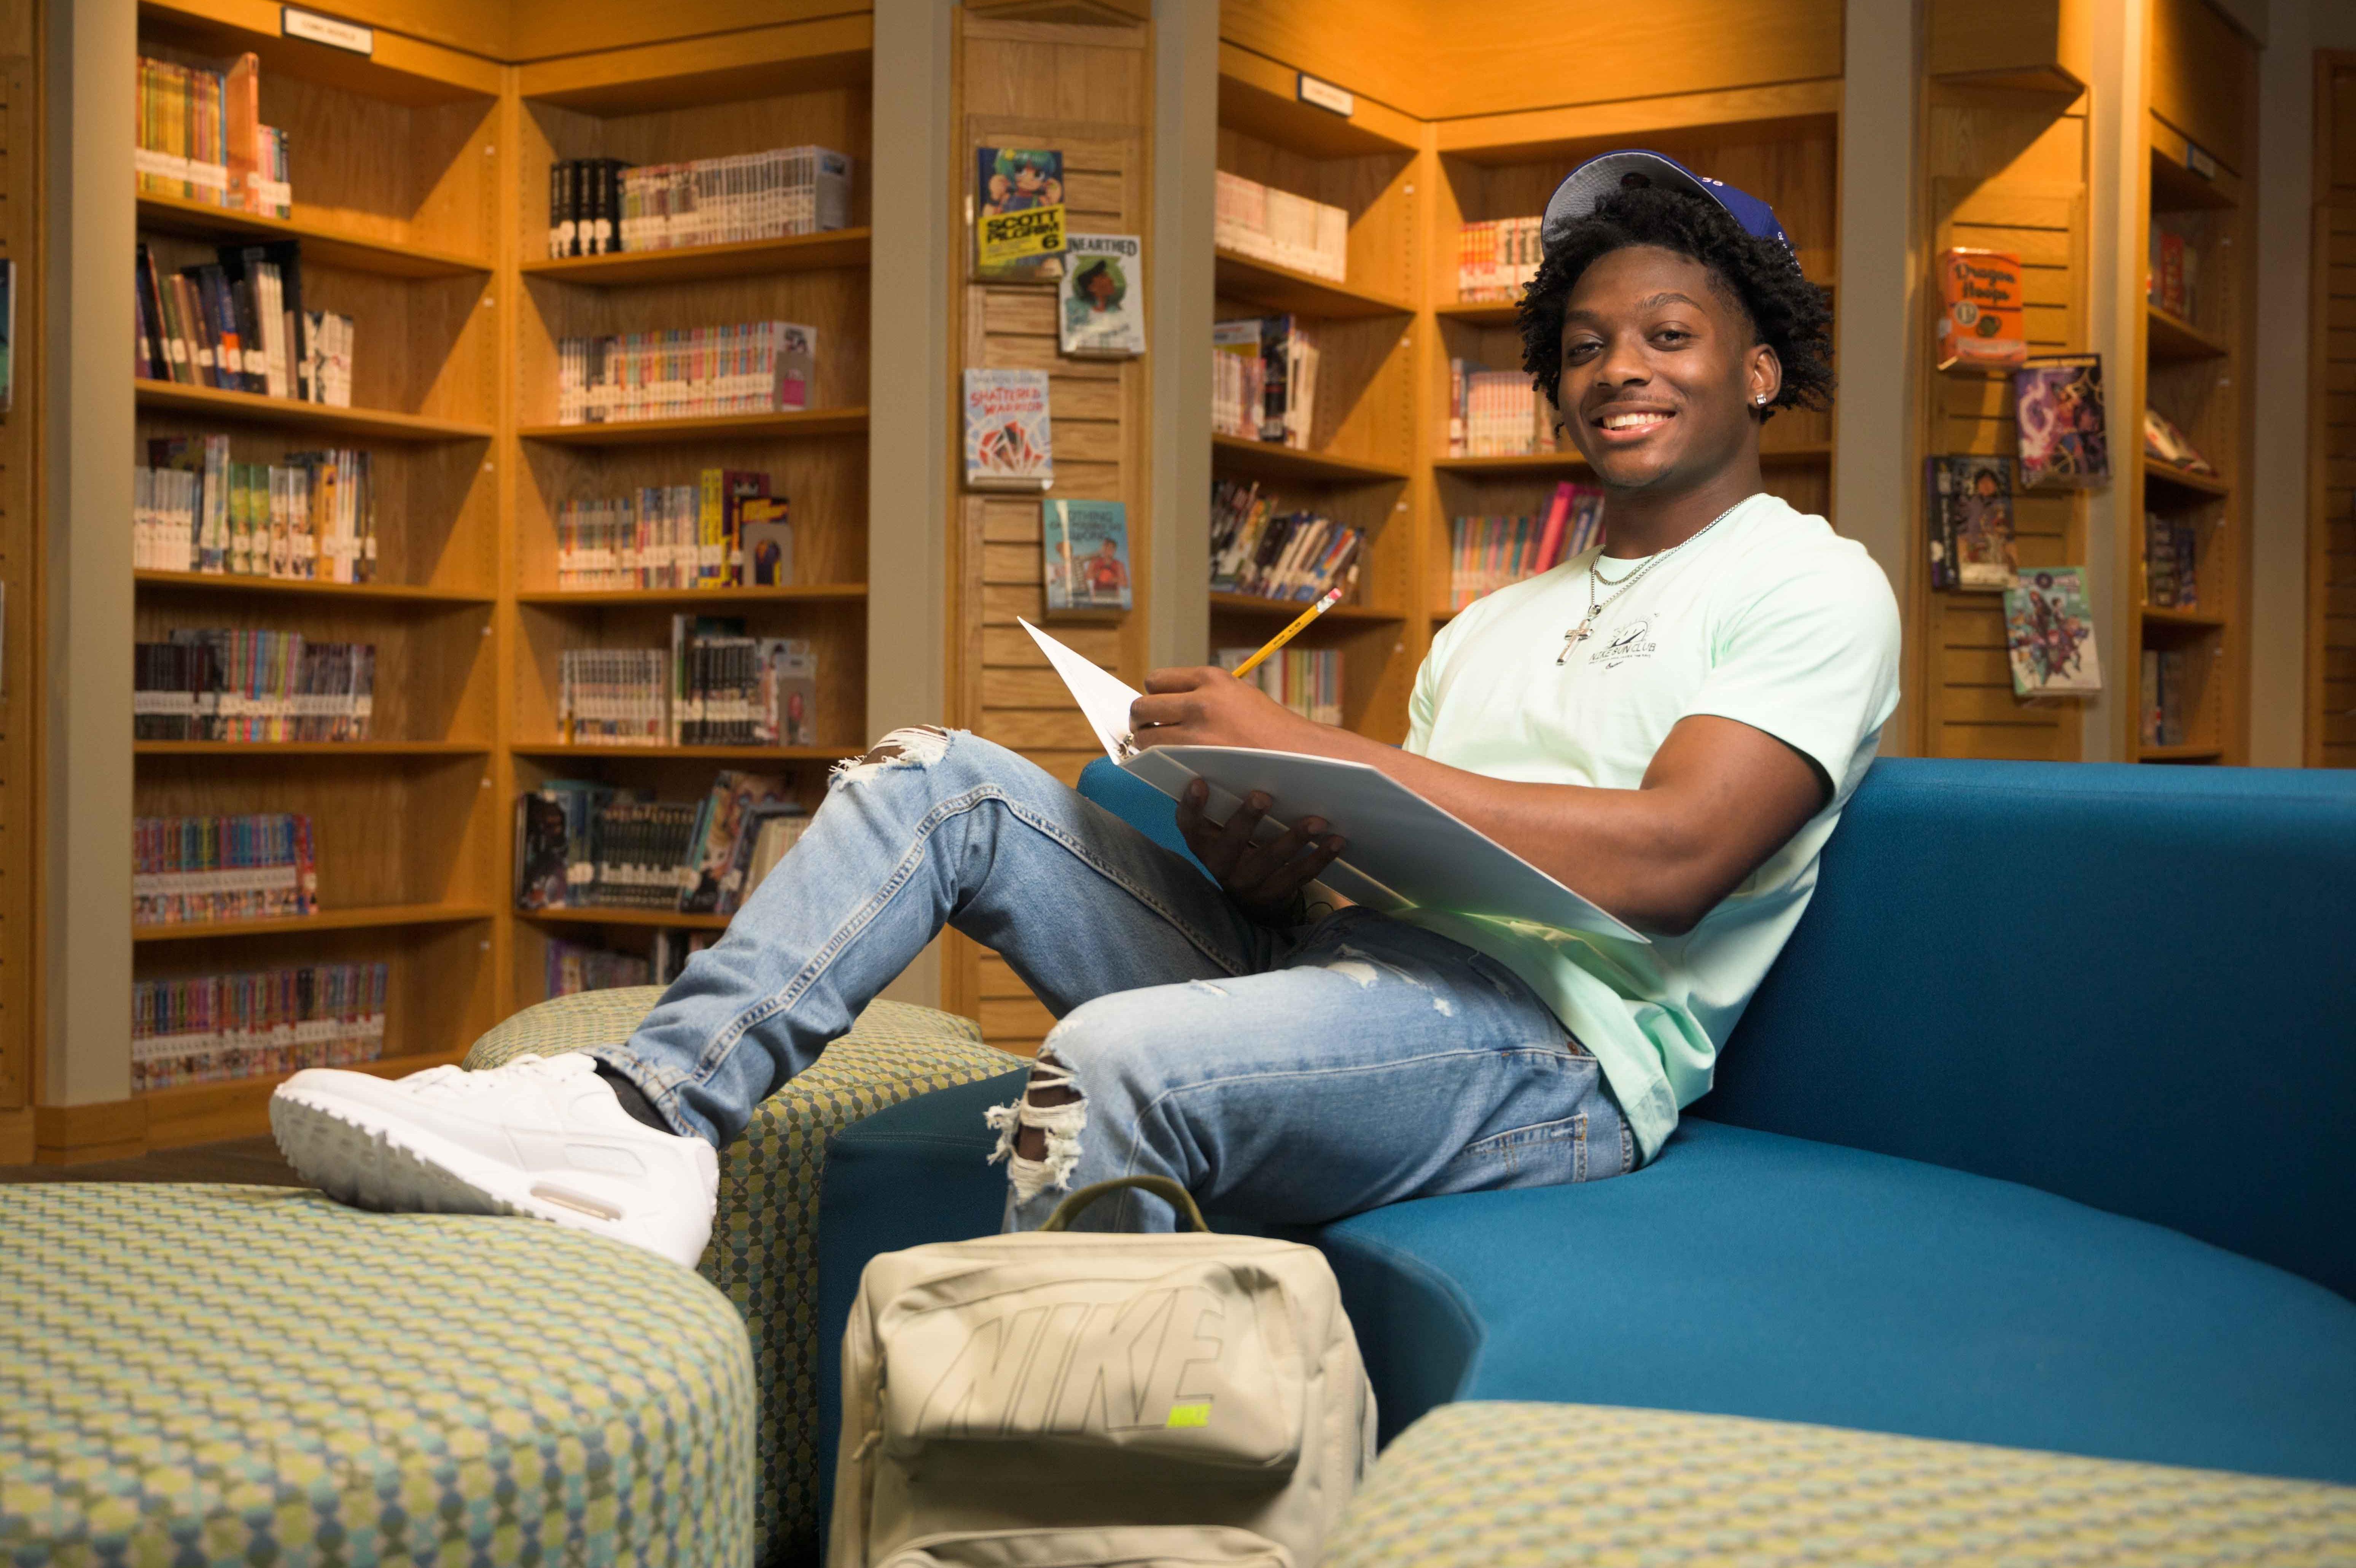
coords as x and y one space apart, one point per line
1659 369
1105 548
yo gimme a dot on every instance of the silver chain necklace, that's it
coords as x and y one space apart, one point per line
1586 628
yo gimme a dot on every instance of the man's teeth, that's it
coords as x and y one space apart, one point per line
1630 421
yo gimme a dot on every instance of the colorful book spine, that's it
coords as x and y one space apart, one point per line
1496 259
194 869
214 1028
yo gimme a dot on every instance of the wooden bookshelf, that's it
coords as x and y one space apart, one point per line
1359 465
2192 365
1780 146
674 100
1388 330
397 167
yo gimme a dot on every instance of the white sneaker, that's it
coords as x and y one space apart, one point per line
540 1136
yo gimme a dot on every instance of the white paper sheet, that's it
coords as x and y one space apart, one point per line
1402 848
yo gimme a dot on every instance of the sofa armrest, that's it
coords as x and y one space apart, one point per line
764 1251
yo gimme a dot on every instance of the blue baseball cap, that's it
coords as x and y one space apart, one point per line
1601 175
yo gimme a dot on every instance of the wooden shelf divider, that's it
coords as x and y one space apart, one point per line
235 584
1234 454
376 917
382 424
324 244
714 427
749 258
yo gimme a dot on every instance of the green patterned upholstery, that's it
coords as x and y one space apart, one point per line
1478 1485
210 1376
764 1252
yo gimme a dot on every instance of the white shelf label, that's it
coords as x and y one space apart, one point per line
2199 162
309 25
1325 95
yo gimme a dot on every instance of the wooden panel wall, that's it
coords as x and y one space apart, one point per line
2005 171
2331 563
1086 91
20 577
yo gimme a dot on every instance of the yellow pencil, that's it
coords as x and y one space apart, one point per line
1332 598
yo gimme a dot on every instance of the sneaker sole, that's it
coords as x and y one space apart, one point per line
335 1148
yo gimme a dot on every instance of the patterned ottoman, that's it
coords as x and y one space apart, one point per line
1489 1484
208 1376
764 1251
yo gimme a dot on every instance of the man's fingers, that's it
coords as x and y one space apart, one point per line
1234 838
1298 872
1191 825
1172 708
1263 860
1182 678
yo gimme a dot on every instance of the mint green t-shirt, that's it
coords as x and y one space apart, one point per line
1769 619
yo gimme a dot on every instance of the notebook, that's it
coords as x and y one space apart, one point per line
1403 850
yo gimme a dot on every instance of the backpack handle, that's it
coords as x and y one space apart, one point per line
1160 1186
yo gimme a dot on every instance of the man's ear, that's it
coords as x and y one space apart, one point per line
1764 376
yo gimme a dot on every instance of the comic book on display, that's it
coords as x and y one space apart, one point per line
1086 554
2049 634
1009 439
2058 405
1971 522
1979 317
1018 204
1101 300
724 839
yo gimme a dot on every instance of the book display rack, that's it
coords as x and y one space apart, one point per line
1379 455
2186 664
420 204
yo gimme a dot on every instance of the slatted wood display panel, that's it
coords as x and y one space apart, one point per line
1085 90
20 577
2006 173
2331 560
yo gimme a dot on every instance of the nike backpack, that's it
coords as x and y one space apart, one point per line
1057 1400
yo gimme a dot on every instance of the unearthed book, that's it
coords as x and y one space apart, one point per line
1018 207
1971 526
1102 297
1009 439
1086 554
2050 635
2064 441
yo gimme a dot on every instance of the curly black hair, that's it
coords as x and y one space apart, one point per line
1788 313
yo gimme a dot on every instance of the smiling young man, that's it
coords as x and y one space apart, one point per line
1672 728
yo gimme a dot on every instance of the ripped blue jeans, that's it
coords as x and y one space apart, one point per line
1280 1076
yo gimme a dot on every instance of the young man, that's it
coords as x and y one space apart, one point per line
1671 728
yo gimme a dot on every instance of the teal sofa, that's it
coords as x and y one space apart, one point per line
2042 1132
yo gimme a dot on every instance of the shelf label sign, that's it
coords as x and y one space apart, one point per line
2199 162
1325 95
310 26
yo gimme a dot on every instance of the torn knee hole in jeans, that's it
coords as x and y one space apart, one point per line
919 746
1051 1104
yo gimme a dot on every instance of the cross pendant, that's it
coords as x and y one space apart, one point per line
1574 637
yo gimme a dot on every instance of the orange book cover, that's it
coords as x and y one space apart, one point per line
1980 313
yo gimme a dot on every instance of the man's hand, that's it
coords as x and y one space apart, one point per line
1262 877
1207 706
